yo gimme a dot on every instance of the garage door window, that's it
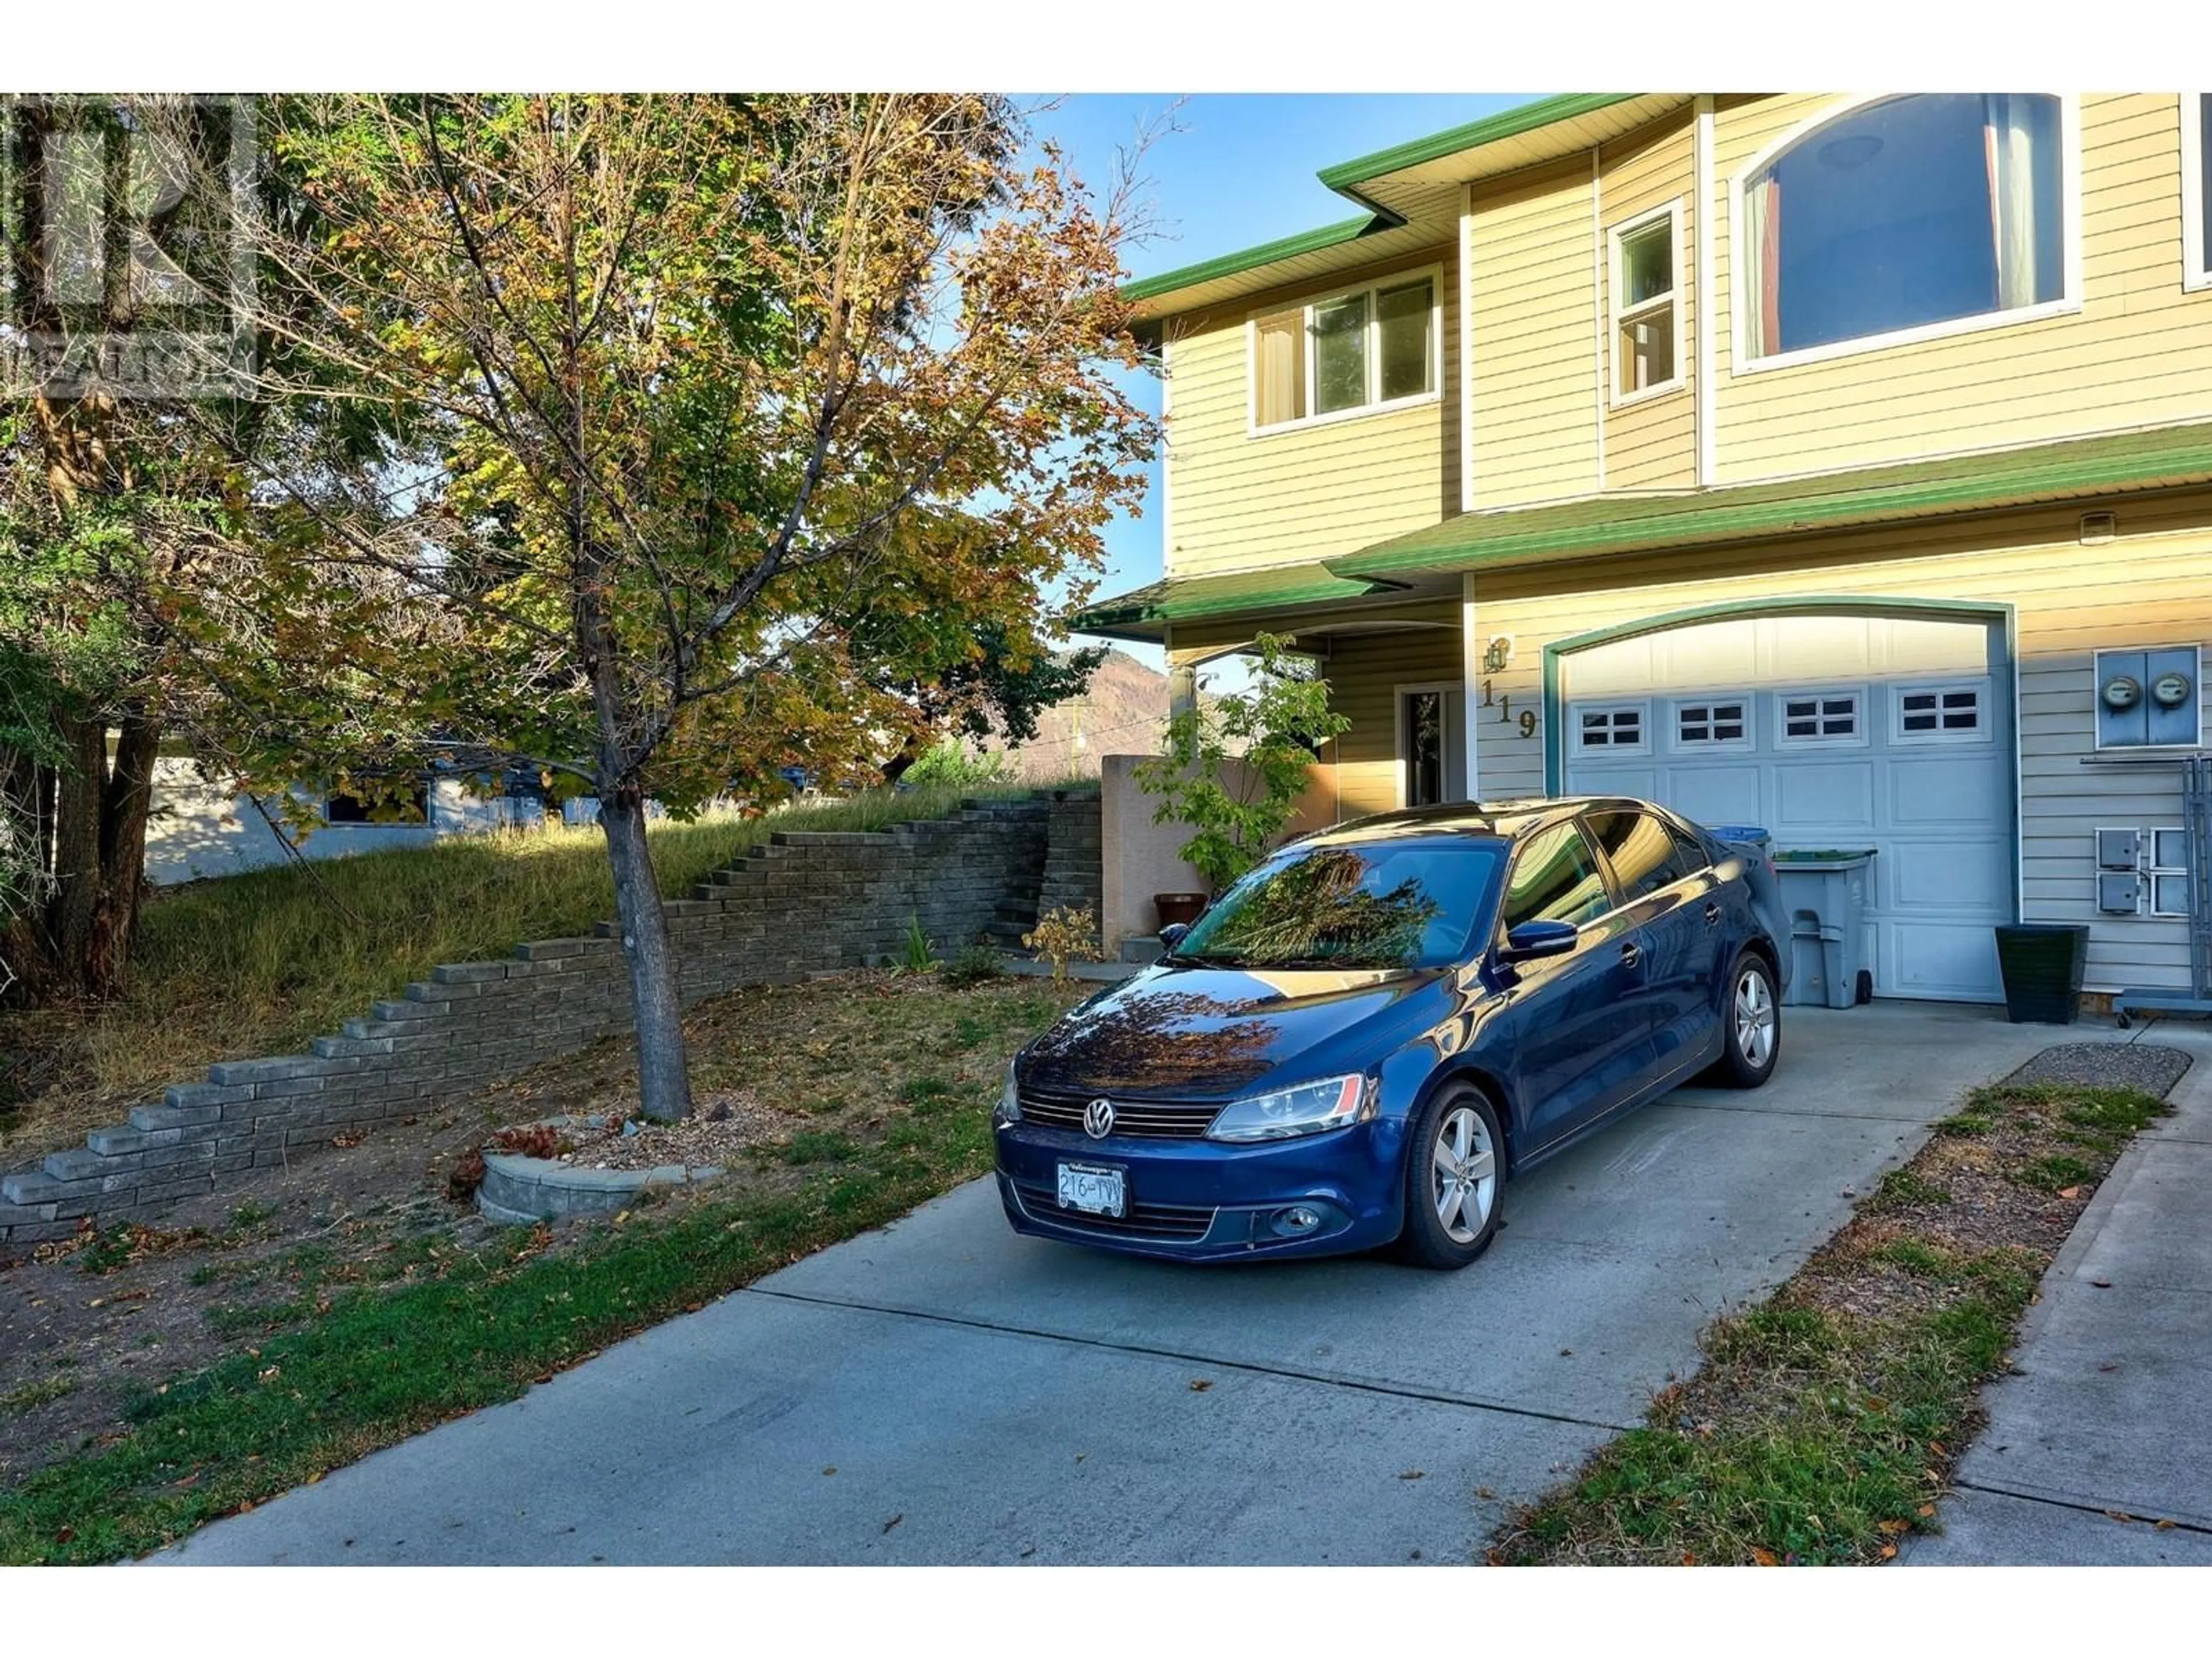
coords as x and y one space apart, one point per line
1809 717
1713 724
1618 729
1941 714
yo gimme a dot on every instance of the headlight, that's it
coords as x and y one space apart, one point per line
1009 1108
1307 1110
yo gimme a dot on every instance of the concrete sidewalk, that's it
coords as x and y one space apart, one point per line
943 1391
2105 1428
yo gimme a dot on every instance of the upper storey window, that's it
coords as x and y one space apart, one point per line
2196 189
1367 349
1907 214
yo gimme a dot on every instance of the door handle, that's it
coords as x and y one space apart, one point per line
1712 915
1632 953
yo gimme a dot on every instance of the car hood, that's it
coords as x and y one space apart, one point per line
1207 1032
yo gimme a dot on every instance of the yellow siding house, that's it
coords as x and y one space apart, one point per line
1841 464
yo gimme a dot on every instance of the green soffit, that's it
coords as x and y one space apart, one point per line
1139 613
1600 524
1346 177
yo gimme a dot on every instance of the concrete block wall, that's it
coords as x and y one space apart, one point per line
803 904
1075 871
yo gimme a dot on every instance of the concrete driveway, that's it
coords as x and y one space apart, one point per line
945 1392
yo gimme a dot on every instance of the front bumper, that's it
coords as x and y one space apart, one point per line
1202 1201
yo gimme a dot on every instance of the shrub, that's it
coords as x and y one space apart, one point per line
1272 732
1063 935
949 764
916 954
973 964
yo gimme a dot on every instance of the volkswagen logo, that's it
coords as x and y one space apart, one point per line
1098 1118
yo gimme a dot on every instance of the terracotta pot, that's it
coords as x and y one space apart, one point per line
1178 907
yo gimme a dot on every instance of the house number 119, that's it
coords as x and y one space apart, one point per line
1524 722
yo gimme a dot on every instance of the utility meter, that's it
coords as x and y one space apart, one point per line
2169 690
2148 697
2123 691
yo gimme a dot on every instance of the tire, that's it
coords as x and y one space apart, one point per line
1460 1121
1751 1023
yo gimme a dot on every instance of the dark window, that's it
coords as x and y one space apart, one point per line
1825 716
1709 722
1641 850
1611 728
395 803
1410 902
1938 712
1554 880
1903 213
1425 738
1693 856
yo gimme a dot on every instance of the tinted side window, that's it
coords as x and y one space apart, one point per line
1693 858
1642 852
1554 878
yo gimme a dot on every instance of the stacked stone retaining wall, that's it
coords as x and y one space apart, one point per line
805 902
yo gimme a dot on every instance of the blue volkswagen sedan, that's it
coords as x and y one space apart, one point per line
1358 1043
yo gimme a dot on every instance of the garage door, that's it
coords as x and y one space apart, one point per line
1834 731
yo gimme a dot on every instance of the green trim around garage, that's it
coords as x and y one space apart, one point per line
1143 612
1588 526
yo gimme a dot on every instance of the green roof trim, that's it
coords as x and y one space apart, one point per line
1507 123
1147 608
1346 178
1593 525
1251 258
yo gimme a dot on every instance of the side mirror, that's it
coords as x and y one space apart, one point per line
1171 935
1532 940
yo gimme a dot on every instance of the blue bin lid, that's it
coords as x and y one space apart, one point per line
1740 831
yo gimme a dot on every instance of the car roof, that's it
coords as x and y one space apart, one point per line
1504 820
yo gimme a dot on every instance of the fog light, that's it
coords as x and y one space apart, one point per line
1294 1220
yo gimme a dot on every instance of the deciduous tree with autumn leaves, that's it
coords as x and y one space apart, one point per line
715 426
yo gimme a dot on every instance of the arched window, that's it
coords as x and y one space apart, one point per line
1904 213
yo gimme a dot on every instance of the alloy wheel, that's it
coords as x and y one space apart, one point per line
1463 1174
1754 1017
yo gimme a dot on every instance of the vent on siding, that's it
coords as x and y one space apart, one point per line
2097 527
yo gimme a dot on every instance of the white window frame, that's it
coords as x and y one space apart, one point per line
1641 709
1984 712
1676 744
1376 404
1858 737
1672 213
1741 264
2195 273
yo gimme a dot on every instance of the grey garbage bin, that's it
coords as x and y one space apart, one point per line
1825 893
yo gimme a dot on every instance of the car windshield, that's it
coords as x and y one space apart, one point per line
1387 903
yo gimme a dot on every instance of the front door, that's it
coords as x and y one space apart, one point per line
1432 744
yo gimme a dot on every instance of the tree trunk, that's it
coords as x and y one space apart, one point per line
663 1068
126 803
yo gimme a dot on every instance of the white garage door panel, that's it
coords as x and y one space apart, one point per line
1714 794
1944 876
1812 797
1938 807
1952 961
1944 789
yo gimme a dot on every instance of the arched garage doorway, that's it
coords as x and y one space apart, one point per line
1836 723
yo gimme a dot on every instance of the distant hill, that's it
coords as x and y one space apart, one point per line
1123 712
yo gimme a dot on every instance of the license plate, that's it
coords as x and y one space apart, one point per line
1094 1188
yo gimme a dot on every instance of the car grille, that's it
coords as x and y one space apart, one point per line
1169 1223
1155 1120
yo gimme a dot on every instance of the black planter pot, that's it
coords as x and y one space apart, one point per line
2042 962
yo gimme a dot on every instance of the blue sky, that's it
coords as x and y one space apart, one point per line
1238 170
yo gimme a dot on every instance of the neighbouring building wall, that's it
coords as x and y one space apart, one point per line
2138 352
806 902
198 829
1237 500
2150 587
